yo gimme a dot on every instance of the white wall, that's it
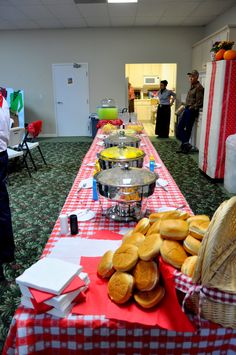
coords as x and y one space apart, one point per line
27 56
228 18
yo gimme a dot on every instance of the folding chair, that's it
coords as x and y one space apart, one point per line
14 149
33 130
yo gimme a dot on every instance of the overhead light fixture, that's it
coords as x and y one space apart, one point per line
121 1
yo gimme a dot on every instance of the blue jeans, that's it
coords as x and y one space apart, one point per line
7 245
185 125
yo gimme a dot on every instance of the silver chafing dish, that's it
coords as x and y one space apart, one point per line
121 138
121 155
129 188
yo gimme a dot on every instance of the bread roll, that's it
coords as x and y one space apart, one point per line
188 266
146 275
192 245
150 248
149 299
174 229
105 267
198 228
142 226
120 287
128 234
125 257
175 214
135 239
173 253
155 228
198 217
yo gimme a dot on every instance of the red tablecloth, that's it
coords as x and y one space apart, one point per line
30 333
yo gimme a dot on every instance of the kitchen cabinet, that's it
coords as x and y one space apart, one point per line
201 50
143 109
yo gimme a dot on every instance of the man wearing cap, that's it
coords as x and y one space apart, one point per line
194 101
6 234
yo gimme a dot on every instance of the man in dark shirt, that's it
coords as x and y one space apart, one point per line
194 102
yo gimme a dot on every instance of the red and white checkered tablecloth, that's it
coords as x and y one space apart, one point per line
31 334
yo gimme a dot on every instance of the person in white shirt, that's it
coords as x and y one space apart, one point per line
7 245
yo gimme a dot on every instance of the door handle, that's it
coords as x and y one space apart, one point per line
59 102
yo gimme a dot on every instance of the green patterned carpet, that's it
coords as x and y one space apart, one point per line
36 202
203 196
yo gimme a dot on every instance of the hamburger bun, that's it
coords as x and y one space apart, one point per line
105 266
142 226
146 275
149 299
175 214
173 229
128 234
192 245
188 266
120 287
198 217
173 253
155 228
125 257
150 248
198 229
135 239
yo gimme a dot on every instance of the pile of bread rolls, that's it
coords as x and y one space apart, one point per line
132 269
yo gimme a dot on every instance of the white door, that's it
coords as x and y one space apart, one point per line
71 95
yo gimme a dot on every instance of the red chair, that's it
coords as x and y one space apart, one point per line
33 130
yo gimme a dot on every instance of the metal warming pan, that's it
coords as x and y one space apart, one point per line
120 156
129 188
121 138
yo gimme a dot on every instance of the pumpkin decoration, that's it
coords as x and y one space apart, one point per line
220 54
230 54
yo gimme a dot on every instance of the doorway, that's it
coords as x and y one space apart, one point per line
71 98
145 79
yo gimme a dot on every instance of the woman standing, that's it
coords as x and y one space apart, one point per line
166 99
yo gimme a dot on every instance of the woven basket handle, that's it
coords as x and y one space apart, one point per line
225 254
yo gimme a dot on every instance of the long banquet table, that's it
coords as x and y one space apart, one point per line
75 334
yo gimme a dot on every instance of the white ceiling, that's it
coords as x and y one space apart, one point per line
41 14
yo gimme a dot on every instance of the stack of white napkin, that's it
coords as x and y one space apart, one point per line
53 286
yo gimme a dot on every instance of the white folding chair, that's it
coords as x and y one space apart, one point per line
15 149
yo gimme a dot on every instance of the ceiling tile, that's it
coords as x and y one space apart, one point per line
93 10
171 20
197 20
151 8
180 9
72 22
97 21
64 10
122 9
20 3
215 7
11 13
146 21
122 21
49 23
36 12
56 2
24 25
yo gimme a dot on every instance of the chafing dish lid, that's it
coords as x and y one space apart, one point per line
121 138
121 153
127 132
126 177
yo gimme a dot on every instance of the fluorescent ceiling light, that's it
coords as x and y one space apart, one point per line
120 1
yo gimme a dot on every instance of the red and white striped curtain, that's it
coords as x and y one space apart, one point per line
219 116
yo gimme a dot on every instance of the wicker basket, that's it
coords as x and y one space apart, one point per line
208 303
211 293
